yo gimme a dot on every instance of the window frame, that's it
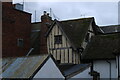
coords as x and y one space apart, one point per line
20 42
58 39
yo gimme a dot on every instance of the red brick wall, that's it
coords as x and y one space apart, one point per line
44 28
15 24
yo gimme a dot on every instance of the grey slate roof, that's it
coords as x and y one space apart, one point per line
21 67
27 67
110 29
75 70
102 47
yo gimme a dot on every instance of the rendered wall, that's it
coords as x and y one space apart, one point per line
103 68
49 70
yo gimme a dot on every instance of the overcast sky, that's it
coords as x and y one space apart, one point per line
105 13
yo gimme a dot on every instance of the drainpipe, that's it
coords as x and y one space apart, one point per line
109 68
65 78
116 53
118 66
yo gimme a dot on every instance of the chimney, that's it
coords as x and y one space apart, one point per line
18 6
7 4
46 21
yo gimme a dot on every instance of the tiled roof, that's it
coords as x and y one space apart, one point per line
110 29
102 47
75 30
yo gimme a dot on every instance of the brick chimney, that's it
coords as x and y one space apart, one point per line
45 24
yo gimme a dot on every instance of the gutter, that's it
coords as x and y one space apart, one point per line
109 68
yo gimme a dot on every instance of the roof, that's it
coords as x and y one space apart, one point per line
35 38
36 26
110 29
75 30
49 56
35 42
24 67
75 70
27 67
101 47
65 66
21 67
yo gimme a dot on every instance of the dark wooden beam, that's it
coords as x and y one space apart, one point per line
61 48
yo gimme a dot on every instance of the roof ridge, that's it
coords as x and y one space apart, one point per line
110 26
76 19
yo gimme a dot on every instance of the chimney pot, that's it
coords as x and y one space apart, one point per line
45 13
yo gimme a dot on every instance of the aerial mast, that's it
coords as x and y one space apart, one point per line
35 15
23 5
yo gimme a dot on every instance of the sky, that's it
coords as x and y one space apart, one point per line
105 13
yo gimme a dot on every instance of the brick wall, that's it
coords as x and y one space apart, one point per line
45 24
15 24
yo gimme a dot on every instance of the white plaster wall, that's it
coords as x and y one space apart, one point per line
84 74
102 67
49 70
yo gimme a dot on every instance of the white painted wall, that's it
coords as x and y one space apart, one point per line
102 67
49 70
84 74
117 64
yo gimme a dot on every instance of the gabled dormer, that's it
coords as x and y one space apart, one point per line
65 39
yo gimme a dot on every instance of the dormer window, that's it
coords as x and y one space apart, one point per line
58 39
20 42
87 37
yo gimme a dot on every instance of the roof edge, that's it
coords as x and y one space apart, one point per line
49 56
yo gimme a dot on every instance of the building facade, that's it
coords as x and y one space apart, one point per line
16 28
67 39
99 53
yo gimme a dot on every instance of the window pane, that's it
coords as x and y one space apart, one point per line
58 39
20 42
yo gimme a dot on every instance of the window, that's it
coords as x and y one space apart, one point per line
58 39
87 37
20 42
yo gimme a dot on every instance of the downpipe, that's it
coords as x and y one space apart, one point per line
109 68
